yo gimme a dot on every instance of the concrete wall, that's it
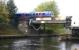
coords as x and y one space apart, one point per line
23 26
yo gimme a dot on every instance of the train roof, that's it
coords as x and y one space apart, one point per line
42 12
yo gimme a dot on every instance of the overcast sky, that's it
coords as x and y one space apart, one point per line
66 7
28 5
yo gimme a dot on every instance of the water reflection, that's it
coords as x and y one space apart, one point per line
20 45
62 46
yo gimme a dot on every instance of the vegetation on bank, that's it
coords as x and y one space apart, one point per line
7 21
7 29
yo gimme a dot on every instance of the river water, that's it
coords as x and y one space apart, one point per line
30 44
21 44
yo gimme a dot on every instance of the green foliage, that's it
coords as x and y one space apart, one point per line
2 19
58 28
7 29
11 8
3 12
48 6
7 11
12 11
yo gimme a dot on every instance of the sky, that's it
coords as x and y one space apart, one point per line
66 7
27 5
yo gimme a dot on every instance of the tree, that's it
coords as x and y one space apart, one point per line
12 11
3 12
7 13
48 6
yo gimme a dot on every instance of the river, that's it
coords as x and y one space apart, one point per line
22 44
30 44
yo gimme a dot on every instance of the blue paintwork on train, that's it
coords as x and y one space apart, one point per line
36 14
42 14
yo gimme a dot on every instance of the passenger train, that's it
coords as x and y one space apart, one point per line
36 14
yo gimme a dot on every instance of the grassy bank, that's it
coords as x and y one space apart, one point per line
7 29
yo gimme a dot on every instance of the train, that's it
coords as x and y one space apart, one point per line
37 14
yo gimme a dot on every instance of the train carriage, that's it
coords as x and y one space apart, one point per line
36 14
46 15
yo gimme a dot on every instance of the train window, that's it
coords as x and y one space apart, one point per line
36 13
43 13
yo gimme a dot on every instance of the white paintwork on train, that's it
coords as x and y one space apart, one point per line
48 18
